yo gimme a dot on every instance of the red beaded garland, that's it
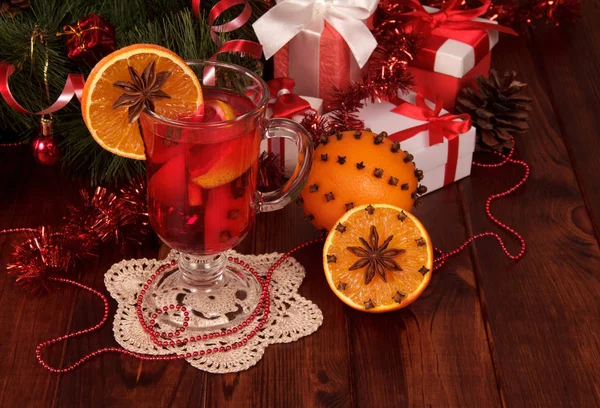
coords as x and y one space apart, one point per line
16 230
443 256
15 144
263 305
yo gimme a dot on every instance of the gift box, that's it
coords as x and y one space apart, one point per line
89 39
322 46
449 86
456 47
285 104
442 144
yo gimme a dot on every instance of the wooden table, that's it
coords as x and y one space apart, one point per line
487 332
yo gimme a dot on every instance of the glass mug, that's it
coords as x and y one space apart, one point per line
203 197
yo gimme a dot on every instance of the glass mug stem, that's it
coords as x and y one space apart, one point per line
202 271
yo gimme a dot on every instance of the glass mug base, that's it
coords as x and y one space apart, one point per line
216 293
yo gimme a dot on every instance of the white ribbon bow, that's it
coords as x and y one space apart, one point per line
284 21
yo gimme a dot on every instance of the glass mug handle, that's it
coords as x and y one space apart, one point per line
287 129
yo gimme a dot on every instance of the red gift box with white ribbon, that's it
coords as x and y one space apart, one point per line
442 143
456 46
285 104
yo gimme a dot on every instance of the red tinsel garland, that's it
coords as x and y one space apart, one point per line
386 77
270 173
104 217
516 12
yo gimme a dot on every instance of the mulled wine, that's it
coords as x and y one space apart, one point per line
202 179
202 195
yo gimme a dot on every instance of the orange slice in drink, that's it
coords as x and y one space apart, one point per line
111 127
225 161
222 162
378 258
216 111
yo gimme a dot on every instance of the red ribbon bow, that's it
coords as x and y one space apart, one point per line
450 16
286 104
447 126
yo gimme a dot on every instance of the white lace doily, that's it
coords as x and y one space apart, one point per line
291 315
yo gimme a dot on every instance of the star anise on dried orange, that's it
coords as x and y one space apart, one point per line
375 258
141 91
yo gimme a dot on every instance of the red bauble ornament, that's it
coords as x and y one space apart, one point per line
45 146
89 39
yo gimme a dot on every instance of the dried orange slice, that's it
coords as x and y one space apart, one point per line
110 127
378 258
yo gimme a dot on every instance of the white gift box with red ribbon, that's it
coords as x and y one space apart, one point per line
455 53
286 149
455 39
443 158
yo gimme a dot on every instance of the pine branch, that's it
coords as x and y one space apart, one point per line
169 23
181 33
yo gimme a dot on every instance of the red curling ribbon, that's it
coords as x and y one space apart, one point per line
196 8
447 126
73 87
451 17
251 48
247 47
232 25
286 104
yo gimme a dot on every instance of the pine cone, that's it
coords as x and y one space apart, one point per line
13 7
499 112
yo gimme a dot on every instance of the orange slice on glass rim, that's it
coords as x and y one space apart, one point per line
110 127
378 258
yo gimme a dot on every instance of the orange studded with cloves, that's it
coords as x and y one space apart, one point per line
353 168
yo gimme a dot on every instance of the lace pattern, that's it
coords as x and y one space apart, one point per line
292 316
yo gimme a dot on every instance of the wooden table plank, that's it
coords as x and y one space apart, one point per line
314 371
435 352
569 59
31 195
543 311
115 380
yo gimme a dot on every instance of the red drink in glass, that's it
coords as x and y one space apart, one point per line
202 181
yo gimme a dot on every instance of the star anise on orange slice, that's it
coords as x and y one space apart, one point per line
141 91
351 269
112 128
375 258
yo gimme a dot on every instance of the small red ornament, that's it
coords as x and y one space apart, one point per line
89 39
45 146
